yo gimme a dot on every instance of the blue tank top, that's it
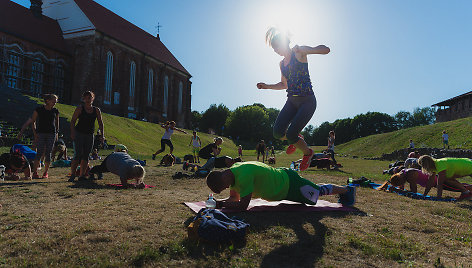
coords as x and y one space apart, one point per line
298 77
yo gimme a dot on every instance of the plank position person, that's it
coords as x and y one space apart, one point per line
256 179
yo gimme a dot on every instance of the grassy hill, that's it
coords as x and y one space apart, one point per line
459 131
141 138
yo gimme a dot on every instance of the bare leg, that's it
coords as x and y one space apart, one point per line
83 167
302 146
73 167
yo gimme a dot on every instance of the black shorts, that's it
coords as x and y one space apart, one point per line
168 142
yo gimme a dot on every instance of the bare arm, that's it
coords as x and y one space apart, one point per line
240 204
56 121
305 50
76 114
100 124
180 130
279 86
25 125
441 179
429 184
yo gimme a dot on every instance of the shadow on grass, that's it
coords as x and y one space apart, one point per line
21 183
91 184
277 226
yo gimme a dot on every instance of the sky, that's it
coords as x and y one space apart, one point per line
386 56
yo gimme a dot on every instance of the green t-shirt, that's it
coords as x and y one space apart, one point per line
454 167
261 180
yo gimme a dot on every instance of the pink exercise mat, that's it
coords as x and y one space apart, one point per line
284 205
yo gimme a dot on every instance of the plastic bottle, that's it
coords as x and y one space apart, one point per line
210 202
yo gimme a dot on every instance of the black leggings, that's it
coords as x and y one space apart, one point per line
168 142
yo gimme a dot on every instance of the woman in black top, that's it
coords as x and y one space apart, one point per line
211 150
45 120
82 133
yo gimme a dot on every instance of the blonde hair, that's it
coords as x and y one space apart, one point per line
138 172
47 97
274 35
428 166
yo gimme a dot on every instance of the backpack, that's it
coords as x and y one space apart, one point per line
25 150
211 225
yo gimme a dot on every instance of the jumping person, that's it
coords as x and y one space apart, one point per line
301 101
196 144
82 133
45 127
123 165
256 179
447 169
169 127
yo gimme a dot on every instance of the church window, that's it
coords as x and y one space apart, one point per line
166 95
150 87
37 70
179 105
59 81
13 71
132 75
108 78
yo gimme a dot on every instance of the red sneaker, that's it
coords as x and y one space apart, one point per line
306 160
291 148
35 175
45 176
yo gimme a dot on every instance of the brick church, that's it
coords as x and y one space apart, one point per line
68 46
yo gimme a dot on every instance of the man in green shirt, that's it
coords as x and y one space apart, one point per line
256 179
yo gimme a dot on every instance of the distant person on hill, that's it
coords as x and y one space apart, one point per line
123 165
445 139
414 177
412 161
301 101
331 140
196 144
272 151
82 134
240 150
169 127
212 149
260 149
45 128
255 179
412 145
447 169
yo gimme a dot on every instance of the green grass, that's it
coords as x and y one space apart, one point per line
423 136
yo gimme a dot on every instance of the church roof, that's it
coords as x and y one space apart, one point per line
19 21
115 26
451 101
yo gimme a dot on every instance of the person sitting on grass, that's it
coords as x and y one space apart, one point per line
415 176
212 149
14 163
59 148
447 169
255 179
123 165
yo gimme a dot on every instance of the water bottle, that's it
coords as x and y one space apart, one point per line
210 202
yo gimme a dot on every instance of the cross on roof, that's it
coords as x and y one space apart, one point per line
159 26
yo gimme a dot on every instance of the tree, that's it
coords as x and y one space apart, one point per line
249 123
214 117
195 119
423 116
404 119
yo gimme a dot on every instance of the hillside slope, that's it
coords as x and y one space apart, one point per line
460 133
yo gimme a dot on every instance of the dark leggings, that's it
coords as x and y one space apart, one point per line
168 142
293 117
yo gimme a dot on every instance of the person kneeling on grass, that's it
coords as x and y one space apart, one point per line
14 163
123 165
447 170
415 176
256 179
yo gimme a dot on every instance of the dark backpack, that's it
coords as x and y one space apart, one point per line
211 225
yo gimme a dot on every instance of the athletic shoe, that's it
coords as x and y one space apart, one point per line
72 178
45 176
82 178
35 175
291 148
348 198
153 156
306 160
465 196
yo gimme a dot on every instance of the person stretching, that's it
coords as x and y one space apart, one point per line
169 127
123 165
196 144
212 149
255 179
448 169
415 177
301 101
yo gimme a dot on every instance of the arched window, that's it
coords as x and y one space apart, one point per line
150 87
37 69
108 78
13 70
132 75
59 81
179 105
166 95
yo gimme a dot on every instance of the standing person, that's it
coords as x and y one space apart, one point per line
301 101
45 128
260 149
412 145
212 149
169 127
196 144
240 150
445 139
82 133
330 149
272 151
